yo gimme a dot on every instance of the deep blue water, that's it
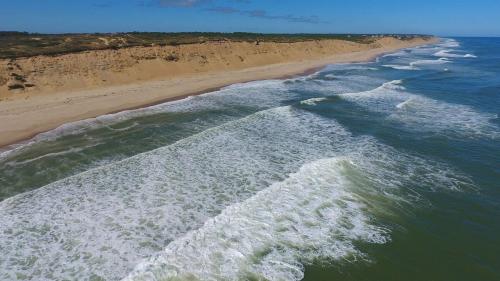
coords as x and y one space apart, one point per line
388 170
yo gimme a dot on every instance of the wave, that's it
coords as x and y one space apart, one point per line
82 126
100 222
133 208
449 43
448 54
424 114
312 101
328 84
393 85
51 154
317 213
348 66
310 215
397 54
470 56
418 50
430 62
401 67
405 103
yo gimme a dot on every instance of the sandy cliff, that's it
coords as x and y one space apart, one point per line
91 69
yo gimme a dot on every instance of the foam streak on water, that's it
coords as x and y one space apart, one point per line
449 54
401 67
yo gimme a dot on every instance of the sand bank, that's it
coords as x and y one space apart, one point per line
73 87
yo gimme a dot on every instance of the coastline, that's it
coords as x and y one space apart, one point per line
22 119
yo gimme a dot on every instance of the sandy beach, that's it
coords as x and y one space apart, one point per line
23 115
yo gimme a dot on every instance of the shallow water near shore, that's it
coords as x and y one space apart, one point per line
386 170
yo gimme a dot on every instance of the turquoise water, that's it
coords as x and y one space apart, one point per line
387 170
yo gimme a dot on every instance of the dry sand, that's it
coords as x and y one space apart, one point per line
78 86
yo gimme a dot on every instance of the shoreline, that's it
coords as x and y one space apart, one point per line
55 110
210 90
13 145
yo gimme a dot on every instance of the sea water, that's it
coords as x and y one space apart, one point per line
386 170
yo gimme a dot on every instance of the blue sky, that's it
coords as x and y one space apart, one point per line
439 17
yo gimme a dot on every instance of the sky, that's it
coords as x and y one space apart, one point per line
436 17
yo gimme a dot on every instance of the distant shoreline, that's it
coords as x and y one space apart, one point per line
31 113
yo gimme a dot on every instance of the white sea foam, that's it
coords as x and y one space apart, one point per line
133 125
430 62
401 67
425 114
329 84
101 222
316 213
449 54
348 66
404 104
52 154
393 85
470 56
312 214
411 51
312 101
397 54
449 43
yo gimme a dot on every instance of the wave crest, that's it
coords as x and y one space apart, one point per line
425 114
449 54
270 236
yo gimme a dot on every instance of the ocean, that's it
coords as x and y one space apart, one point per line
385 170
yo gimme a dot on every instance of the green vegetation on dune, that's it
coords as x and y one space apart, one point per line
22 44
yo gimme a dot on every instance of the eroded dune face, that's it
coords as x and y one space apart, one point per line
47 74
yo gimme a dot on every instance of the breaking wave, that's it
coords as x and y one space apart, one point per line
312 214
101 222
319 212
430 62
449 43
449 54
401 67
312 101
424 114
